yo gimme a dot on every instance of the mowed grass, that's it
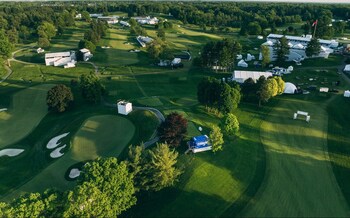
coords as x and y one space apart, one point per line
24 114
339 142
104 135
98 136
299 179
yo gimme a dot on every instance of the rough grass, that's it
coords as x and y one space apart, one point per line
24 114
299 176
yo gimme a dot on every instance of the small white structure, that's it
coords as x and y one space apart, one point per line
242 63
59 58
146 20
78 16
250 57
324 89
124 23
289 88
144 40
347 68
239 57
241 76
86 54
347 93
70 65
260 37
124 107
303 113
176 61
109 19
40 50
96 15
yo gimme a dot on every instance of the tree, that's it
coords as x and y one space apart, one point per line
92 88
87 44
162 171
216 138
265 52
43 42
229 98
231 124
173 130
156 48
136 162
254 28
249 89
105 189
59 98
267 90
46 30
280 84
161 33
282 49
313 47
85 16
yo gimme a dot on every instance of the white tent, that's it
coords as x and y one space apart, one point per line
239 57
242 63
347 94
250 57
347 68
289 88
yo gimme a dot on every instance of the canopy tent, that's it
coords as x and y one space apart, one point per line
347 94
289 88
347 68
242 63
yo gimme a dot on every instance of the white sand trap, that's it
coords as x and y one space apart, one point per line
3 109
57 152
10 152
53 142
74 173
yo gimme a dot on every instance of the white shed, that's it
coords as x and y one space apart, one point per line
347 68
124 107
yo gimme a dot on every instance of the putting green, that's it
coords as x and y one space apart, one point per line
104 135
299 180
27 109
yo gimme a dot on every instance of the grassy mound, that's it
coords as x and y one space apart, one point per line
27 109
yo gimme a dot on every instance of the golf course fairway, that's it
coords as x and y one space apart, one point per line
24 114
299 180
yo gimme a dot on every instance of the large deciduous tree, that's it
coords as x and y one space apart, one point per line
173 130
91 88
267 89
265 53
105 189
59 98
313 47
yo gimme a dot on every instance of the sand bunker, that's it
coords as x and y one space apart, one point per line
53 142
3 109
10 152
57 152
74 173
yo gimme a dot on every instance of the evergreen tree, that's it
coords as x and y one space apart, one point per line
231 124
216 139
281 48
265 52
313 47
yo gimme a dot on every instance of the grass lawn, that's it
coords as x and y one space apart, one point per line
102 135
299 181
27 109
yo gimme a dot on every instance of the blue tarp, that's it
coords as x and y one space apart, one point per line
199 141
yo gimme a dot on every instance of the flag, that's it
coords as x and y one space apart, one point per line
314 23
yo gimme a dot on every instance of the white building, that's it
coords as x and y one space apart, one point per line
109 19
297 46
96 15
60 58
124 23
289 88
347 93
86 54
241 76
124 107
146 20
176 61
144 40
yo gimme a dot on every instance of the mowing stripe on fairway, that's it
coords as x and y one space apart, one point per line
27 109
299 179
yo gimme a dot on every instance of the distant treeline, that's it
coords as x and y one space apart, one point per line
21 20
